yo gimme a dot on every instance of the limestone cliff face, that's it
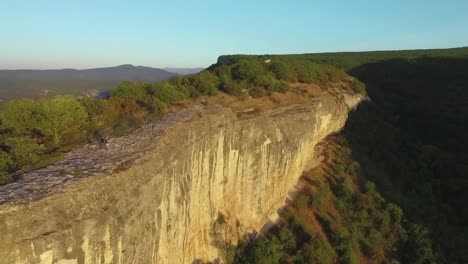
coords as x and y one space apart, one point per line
206 179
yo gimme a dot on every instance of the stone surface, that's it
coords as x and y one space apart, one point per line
172 192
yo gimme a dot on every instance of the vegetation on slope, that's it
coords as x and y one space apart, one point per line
351 60
411 141
339 217
36 133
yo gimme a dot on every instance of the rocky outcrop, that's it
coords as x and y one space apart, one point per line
174 191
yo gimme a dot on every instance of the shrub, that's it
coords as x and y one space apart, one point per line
223 71
269 83
318 251
301 201
358 86
59 116
23 150
307 72
94 109
204 83
166 92
6 167
247 69
283 71
258 92
229 86
129 90
267 251
21 116
287 238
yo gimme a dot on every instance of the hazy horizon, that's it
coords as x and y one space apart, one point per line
214 61
97 67
189 34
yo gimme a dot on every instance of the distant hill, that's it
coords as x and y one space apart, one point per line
38 83
184 71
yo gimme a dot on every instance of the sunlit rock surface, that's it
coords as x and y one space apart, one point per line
174 191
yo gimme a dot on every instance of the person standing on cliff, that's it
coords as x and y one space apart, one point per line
102 141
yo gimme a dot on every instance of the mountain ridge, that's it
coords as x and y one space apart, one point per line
30 83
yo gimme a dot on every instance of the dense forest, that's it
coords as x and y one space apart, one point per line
412 141
410 145
350 60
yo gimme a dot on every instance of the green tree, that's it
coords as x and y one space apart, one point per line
6 167
286 237
205 83
223 71
166 92
247 69
21 116
130 90
182 85
267 251
317 251
358 86
61 115
283 71
94 110
229 86
23 151
418 247
269 83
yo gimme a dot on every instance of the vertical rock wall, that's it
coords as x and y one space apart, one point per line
205 182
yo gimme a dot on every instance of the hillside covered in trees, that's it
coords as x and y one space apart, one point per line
402 156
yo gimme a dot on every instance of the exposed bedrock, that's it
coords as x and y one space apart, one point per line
206 178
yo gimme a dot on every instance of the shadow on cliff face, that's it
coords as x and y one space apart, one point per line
412 141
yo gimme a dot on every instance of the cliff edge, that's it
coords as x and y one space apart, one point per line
174 191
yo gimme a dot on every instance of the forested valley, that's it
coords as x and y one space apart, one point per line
395 191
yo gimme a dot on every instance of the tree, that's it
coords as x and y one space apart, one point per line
358 86
23 151
223 71
130 90
6 167
94 109
287 239
205 83
247 69
418 247
166 92
21 116
59 116
269 83
267 251
182 85
318 251
283 71
229 86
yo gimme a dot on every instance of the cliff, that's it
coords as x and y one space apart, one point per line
174 191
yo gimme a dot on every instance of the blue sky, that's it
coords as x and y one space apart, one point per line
82 34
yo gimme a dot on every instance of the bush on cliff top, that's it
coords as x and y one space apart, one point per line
31 130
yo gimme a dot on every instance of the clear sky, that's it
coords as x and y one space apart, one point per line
83 33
